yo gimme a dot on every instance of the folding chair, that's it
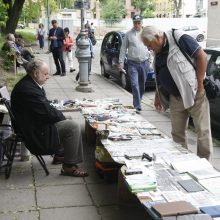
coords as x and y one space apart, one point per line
10 146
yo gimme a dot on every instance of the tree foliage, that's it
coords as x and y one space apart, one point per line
146 7
32 10
65 3
3 14
113 11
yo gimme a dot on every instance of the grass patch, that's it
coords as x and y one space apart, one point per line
28 36
11 80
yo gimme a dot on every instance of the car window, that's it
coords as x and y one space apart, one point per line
193 28
110 41
208 57
214 67
116 42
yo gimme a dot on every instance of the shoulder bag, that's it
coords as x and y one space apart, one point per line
210 84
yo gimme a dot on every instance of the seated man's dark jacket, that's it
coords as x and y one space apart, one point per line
35 117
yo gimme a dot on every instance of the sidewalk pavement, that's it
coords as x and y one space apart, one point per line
29 194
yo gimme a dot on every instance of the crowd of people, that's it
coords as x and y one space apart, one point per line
62 45
179 86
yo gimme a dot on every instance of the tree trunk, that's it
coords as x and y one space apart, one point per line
14 12
178 7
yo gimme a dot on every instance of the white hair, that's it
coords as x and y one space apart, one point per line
10 37
35 65
151 32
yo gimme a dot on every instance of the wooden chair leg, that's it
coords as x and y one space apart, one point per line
43 164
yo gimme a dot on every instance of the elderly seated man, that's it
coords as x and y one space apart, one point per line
44 128
23 55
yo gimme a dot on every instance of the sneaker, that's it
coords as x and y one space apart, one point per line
138 110
56 74
72 70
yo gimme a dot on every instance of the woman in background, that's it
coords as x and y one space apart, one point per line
40 35
67 50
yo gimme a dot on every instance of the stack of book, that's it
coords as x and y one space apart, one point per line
141 183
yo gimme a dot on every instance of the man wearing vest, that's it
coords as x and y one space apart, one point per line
182 83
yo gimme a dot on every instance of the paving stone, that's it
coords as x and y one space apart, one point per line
62 196
32 215
17 200
54 178
21 176
70 213
103 194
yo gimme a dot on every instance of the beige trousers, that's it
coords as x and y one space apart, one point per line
200 114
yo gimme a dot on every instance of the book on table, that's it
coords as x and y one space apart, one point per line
174 208
213 211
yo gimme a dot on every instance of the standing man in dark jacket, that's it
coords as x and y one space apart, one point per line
56 36
44 128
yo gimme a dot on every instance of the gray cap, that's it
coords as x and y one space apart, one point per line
137 18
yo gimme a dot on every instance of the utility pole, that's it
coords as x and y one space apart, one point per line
83 53
48 21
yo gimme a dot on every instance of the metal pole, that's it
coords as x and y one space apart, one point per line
83 55
48 21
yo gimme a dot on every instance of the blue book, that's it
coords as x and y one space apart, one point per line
213 211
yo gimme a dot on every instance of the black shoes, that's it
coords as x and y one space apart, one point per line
138 110
56 74
72 70
63 74
77 77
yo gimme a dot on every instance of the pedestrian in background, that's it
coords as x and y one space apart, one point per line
180 85
67 50
92 29
138 65
40 34
56 36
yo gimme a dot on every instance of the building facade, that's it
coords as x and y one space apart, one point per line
190 8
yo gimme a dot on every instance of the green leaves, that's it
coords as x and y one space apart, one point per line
146 7
113 11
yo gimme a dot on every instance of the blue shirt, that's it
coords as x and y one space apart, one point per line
164 78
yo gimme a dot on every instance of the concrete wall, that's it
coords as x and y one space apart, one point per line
213 32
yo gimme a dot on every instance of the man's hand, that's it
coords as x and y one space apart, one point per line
157 103
120 66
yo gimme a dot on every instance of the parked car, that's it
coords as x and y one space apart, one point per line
195 32
213 68
109 57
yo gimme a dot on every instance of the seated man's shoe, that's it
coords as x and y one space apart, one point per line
72 70
63 74
74 171
56 74
57 159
